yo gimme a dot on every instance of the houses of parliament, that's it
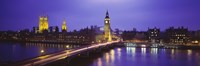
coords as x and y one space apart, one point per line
91 35
46 33
44 26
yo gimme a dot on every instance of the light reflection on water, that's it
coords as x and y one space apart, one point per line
112 55
143 51
154 51
189 52
99 62
133 51
131 56
107 57
118 53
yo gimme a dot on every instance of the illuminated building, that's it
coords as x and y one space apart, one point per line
194 37
43 24
64 26
83 36
69 37
107 29
9 35
195 42
135 36
177 36
153 35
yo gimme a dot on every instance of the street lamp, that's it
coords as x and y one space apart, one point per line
42 51
67 46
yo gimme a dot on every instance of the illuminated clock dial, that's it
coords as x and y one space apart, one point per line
106 21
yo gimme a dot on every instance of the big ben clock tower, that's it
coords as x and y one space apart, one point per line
107 31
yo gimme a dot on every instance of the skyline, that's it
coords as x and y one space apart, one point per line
124 14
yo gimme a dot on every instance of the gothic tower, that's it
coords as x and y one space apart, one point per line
43 24
64 26
107 29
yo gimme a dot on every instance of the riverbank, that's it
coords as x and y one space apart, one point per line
49 42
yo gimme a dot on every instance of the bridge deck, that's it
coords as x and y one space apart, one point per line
42 60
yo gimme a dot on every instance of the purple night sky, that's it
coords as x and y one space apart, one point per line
124 14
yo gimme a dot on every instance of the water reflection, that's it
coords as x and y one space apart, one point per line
154 50
143 51
110 57
172 51
118 53
156 57
133 50
118 49
12 52
107 56
99 62
172 54
128 50
162 51
189 52
112 53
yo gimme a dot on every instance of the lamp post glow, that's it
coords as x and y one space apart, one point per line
42 51
67 46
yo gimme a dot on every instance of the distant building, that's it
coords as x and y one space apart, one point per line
97 29
69 37
194 37
53 29
23 34
154 35
43 24
107 29
135 36
197 34
84 36
9 35
35 30
178 36
128 35
141 36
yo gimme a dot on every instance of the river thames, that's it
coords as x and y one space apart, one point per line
119 56
131 56
14 52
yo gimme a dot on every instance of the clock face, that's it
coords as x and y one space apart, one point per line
106 21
